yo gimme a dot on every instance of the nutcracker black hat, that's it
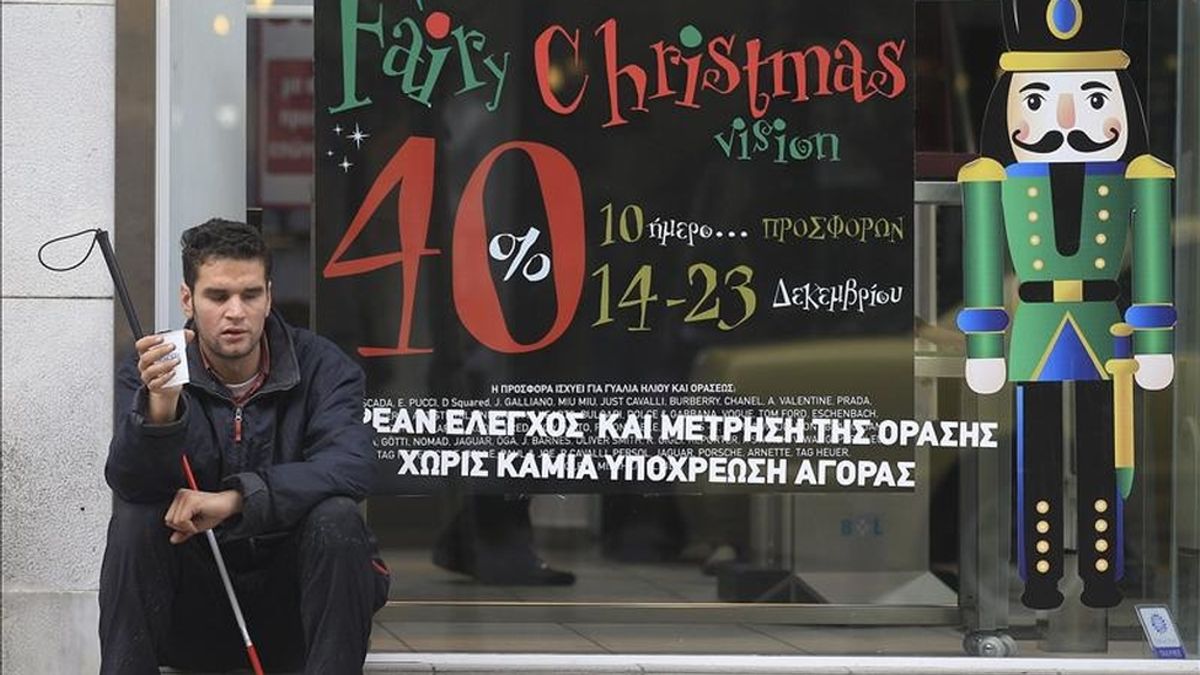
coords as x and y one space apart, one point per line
1063 35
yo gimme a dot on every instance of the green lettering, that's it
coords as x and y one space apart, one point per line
350 27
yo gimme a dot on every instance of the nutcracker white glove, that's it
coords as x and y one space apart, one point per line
1155 371
986 376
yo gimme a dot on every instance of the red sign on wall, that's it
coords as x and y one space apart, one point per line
289 148
284 125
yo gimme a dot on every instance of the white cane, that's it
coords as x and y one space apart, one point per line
233 602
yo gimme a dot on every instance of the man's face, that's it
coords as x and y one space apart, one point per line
1067 117
229 304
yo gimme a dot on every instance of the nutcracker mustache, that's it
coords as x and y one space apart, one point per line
1078 140
1081 142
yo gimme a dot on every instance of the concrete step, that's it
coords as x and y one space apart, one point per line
697 664
707 664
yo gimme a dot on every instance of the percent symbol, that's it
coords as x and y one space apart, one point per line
511 247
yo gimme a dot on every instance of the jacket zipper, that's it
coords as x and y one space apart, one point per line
237 425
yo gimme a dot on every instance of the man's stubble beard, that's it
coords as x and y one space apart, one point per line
214 346
217 351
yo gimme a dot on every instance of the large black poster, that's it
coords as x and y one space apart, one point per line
647 246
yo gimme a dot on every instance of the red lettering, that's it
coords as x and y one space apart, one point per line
541 61
411 168
712 76
779 87
889 56
757 101
608 31
799 59
848 77
693 76
663 83
814 70
475 294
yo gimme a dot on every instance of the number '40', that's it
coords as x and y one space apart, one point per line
410 173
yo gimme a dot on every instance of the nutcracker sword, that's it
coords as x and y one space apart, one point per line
135 327
1122 367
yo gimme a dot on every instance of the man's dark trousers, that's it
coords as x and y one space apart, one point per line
307 596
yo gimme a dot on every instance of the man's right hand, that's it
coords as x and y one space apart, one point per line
155 372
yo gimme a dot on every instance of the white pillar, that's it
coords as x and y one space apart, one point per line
57 164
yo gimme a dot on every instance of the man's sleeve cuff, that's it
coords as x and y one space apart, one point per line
255 504
141 404
982 320
1150 316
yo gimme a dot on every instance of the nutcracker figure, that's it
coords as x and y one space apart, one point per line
1063 183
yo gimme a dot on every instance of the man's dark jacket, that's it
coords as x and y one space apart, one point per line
302 435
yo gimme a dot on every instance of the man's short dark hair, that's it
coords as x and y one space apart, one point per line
220 238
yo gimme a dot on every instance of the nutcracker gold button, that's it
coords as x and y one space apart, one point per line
1043 506
1102 545
1032 192
1043 566
1102 565
1043 546
1101 525
1038 264
1033 216
1103 215
1102 190
1102 238
1100 263
1043 526
1101 506
1035 240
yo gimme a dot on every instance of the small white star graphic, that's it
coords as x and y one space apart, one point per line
358 136
329 153
337 129
346 164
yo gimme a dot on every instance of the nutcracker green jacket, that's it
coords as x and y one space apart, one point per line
1068 290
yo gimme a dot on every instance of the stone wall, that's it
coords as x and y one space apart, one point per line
58 167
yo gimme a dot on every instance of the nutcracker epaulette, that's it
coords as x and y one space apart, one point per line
980 170
1149 166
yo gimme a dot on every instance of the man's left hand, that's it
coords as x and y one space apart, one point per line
194 511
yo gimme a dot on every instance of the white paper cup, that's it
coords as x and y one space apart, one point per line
181 376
